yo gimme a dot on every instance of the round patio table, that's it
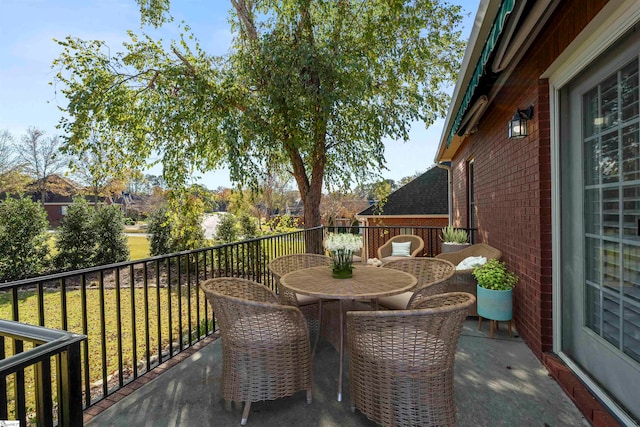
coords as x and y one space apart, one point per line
367 283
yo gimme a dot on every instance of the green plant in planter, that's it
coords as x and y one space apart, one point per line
495 275
453 235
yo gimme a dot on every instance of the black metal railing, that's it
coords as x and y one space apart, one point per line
137 315
376 236
57 392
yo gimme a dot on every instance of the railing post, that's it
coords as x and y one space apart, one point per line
4 412
44 405
313 243
70 408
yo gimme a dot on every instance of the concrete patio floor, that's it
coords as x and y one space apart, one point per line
498 382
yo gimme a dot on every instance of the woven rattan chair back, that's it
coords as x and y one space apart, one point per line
401 361
428 271
417 245
463 280
288 263
240 288
479 249
265 345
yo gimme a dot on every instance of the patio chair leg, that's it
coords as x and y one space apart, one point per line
479 323
317 338
245 413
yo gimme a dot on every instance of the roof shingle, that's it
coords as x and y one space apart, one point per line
425 195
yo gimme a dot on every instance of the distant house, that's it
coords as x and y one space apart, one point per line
423 202
339 210
60 194
295 209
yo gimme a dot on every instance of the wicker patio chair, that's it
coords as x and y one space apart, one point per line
463 280
401 361
432 275
311 307
385 251
265 345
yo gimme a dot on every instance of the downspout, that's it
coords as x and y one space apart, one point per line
447 166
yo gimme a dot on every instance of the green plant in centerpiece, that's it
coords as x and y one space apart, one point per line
341 246
494 275
453 235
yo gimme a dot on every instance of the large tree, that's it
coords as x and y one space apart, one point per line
12 178
311 84
100 168
40 157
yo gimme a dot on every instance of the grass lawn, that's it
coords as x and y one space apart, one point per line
138 247
127 324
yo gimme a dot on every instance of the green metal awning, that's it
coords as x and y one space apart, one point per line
498 24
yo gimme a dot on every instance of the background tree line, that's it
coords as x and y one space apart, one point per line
86 237
93 236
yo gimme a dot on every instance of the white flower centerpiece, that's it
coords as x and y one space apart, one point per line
341 246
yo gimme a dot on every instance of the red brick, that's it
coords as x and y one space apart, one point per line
603 418
143 380
103 404
115 397
569 382
93 410
135 385
553 364
126 390
585 402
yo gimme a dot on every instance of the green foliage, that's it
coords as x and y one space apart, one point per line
186 214
112 245
244 260
495 275
248 227
227 230
207 197
88 236
177 226
76 238
355 227
159 229
314 85
24 250
283 224
453 235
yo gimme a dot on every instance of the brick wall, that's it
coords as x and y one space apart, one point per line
54 214
513 177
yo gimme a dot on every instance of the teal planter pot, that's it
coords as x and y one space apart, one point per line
494 305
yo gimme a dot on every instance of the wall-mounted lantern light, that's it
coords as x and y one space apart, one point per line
518 124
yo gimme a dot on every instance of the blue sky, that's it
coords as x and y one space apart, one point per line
27 49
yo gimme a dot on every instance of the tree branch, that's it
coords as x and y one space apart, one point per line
185 61
245 17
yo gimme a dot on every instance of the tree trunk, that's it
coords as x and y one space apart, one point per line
312 216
